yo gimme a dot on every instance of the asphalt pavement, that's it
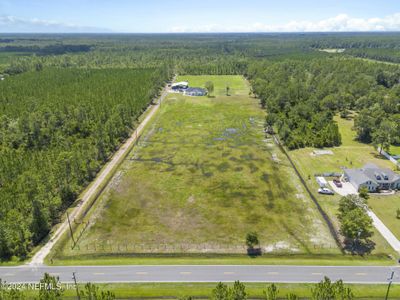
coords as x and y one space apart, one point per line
277 274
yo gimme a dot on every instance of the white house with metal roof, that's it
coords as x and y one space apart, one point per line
373 178
180 85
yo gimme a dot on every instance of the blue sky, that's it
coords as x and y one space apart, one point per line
198 16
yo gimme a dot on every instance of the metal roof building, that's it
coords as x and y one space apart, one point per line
180 85
195 92
373 178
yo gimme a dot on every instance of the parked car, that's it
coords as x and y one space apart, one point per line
337 182
325 191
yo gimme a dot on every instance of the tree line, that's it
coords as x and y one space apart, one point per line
301 98
50 287
57 128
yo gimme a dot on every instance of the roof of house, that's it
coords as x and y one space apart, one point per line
371 172
357 176
195 90
182 83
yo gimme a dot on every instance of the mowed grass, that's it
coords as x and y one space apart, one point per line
312 259
394 150
204 290
351 154
200 179
386 209
237 86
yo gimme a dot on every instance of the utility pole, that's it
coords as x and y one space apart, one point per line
76 286
70 229
390 283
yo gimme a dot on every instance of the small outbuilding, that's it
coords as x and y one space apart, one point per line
321 181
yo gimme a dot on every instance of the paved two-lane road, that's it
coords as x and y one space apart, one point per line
288 274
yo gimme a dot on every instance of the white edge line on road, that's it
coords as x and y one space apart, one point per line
38 267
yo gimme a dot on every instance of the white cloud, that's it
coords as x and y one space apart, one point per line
16 24
341 22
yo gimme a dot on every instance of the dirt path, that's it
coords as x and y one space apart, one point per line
39 256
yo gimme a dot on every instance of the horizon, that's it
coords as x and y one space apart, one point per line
224 16
207 33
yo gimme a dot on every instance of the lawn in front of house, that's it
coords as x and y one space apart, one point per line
386 208
394 150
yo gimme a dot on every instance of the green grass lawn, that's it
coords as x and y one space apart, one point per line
229 259
204 290
385 207
394 150
201 178
351 154
237 86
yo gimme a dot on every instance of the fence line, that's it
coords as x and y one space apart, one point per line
324 215
184 248
389 157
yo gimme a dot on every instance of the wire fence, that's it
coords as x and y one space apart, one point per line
189 248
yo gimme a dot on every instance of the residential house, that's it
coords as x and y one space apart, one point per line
373 178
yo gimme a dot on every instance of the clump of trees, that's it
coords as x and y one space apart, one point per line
328 290
224 292
355 224
252 240
209 85
324 290
253 244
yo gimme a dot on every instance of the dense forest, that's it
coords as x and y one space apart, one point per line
57 127
68 101
302 97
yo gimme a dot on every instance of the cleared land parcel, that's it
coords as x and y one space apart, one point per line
202 177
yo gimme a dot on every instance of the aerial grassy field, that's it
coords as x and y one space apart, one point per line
237 86
386 209
202 177
351 154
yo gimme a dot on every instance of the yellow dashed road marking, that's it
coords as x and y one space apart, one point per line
98 273
229 273
316 273
273 273
185 273
142 273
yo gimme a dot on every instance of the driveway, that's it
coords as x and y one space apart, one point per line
346 189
